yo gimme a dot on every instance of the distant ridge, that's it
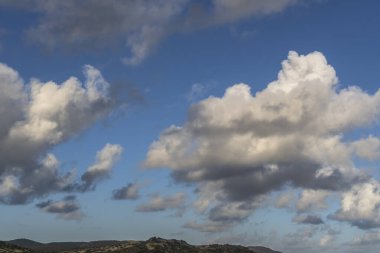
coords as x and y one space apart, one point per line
25 243
152 245
261 249
60 246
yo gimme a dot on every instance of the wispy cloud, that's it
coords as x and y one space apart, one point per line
140 25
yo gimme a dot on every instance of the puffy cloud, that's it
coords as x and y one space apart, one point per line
230 11
131 192
284 200
158 203
36 116
67 209
242 146
360 206
308 219
328 238
312 199
105 160
140 25
367 148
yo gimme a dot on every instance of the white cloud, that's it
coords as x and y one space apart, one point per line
158 203
312 199
285 200
67 209
105 160
243 145
367 148
326 240
372 237
36 116
49 121
360 206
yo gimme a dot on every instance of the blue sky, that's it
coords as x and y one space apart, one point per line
247 122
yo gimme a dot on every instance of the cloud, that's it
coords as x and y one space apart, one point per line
67 209
242 146
207 227
360 206
196 92
372 237
131 192
308 219
312 199
139 25
328 238
105 160
285 200
367 148
225 11
158 203
37 116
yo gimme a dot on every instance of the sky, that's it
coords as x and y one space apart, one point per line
252 122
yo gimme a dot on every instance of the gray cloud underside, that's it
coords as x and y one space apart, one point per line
130 192
67 208
159 203
139 25
105 160
238 148
308 219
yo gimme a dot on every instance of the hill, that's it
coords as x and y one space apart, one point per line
260 249
9 248
153 245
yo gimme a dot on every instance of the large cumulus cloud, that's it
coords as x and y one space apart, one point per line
37 116
239 147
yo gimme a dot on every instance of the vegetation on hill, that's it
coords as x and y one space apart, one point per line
9 248
153 245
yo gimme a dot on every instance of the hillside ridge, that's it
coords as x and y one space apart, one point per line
152 245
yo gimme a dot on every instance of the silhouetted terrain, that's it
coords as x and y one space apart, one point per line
260 249
9 248
153 245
